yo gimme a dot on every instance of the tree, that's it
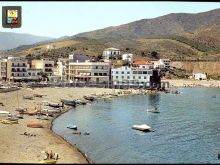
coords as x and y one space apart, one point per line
154 54
99 57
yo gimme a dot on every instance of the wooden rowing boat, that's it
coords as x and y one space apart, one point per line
35 125
9 122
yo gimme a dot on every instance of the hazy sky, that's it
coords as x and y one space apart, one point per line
56 19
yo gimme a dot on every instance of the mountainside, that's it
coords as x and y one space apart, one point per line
164 25
174 36
13 40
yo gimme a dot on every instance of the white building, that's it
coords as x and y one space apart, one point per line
162 63
59 71
199 76
110 52
127 57
143 64
131 75
88 71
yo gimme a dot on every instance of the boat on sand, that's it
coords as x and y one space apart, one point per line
35 125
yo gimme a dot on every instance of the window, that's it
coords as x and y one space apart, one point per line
100 74
95 74
139 77
128 72
116 72
139 72
12 74
133 77
122 77
144 72
145 77
96 67
23 64
23 74
104 74
128 77
134 72
122 72
29 73
116 77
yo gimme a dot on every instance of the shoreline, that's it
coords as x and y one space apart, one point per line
12 143
89 161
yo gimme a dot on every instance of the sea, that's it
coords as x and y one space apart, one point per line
187 129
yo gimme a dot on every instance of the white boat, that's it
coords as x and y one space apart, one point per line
4 113
153 110
142 127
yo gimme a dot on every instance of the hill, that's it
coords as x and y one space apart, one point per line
13 40
164 25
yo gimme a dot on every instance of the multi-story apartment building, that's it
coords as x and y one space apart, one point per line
88 71
131 75
47 65
17 68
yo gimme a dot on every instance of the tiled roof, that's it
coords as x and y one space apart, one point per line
141 62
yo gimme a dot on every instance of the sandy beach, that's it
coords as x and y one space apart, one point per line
17 148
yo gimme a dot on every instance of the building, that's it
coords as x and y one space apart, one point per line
131 75
127 57
46 64
97 72
200 76
60 68
17 68
3 69
34 74
162 63
111 52
143 64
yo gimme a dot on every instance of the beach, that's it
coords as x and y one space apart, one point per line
17 148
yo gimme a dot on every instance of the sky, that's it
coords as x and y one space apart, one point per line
57 19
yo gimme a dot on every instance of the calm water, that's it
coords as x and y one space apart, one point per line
187 129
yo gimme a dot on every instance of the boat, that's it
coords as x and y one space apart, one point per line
3 113
90 98
9 122
35 125
21 110
153 109
28 97
37 95
48 161
69 102
80 102
72 127
142 127
13 118
55 105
